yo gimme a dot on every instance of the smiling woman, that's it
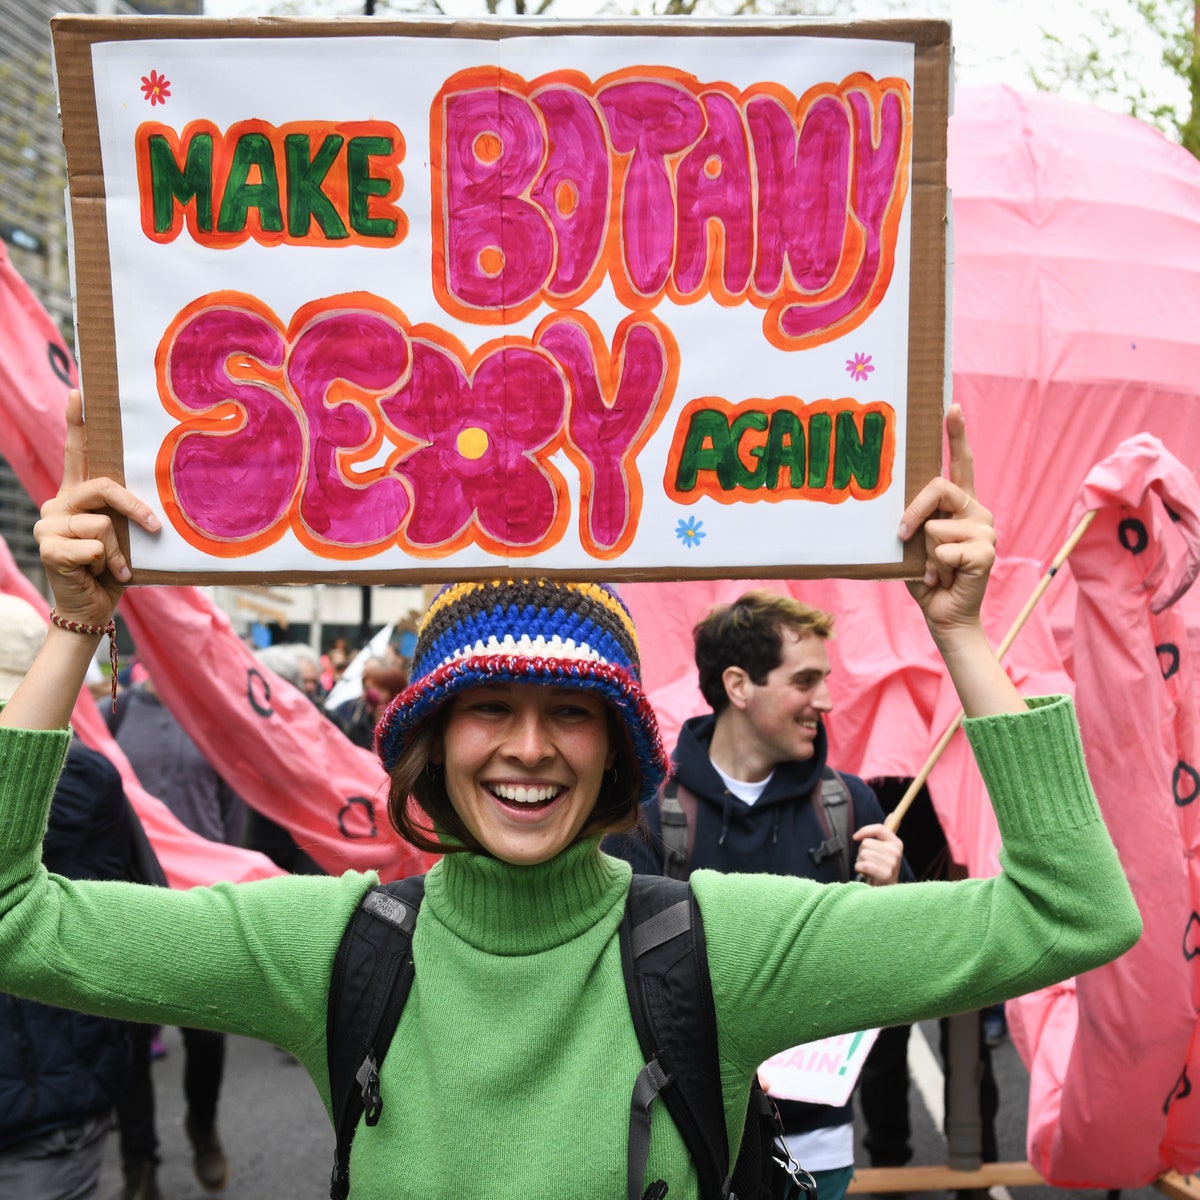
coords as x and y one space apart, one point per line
585 740
523 737
545 696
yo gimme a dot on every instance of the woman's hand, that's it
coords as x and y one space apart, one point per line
960 542
960 547
78 543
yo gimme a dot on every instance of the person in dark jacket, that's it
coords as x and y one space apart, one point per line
750 777
170 765
61 1072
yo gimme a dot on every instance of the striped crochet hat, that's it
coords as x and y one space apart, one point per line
527 631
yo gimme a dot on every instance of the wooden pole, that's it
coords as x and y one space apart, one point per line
897 814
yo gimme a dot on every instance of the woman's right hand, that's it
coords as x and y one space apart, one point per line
78 543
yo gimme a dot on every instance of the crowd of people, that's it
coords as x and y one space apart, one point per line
63 1073
517 741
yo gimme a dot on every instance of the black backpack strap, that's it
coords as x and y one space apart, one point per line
835 812
677 814
372 976
665 963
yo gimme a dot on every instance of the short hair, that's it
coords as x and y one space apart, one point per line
284 659
421 811
749 634
392 679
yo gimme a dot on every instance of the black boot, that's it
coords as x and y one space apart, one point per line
141 1181
208 1157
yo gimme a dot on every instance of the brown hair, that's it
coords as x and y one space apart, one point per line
749 634
422 812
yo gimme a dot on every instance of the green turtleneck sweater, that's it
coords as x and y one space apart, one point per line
512 1068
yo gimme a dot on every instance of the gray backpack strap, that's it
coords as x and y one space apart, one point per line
677 812
835 811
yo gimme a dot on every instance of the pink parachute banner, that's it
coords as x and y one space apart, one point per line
1077 283
270 744
185 857
1115 1059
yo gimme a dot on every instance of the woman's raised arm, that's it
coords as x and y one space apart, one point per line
87 574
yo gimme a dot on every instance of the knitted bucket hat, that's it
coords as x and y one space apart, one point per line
540 631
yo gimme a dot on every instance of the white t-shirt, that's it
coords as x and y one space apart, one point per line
823 1149
747 792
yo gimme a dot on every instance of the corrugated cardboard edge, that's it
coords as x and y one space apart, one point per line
74 35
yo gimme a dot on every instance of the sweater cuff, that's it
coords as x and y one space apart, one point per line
28 759
1027 757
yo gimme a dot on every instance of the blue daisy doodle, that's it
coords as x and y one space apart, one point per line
690 532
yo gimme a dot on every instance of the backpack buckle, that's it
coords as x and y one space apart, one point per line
830 847
800 1182
367 1077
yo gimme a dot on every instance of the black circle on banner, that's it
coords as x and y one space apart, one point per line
258 692
1185 783
1191 937
1133 536
1181 1090
60 362
1168 658
349 815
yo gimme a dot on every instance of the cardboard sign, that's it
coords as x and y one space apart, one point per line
425 300
823 1072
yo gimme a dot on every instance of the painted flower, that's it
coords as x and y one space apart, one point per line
690 532
859 367
156 88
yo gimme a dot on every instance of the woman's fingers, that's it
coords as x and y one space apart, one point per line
75 464
82 539
962 461
92 495
942 496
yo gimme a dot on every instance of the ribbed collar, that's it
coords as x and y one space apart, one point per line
502 909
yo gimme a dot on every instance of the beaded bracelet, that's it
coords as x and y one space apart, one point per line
94 631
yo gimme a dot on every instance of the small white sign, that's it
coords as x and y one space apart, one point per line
823 1072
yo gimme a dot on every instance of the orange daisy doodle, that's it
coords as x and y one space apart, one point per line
156 88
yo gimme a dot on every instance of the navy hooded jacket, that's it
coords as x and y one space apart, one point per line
773 836
59 1067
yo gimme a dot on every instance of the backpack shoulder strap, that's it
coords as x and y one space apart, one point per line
835 812
372 976
665 963
677 813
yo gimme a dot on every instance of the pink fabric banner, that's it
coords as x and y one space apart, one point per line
1076 289
1115 1063
270 744
186 858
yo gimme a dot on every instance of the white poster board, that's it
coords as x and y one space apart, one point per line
421 300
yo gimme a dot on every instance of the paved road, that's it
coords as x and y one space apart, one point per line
272 1124
280 1145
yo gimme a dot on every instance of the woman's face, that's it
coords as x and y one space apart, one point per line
524 764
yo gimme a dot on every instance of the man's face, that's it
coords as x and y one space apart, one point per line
310 678
784 712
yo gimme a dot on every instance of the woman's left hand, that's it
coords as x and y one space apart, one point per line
960 542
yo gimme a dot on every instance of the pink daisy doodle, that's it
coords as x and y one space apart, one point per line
859 367
156 88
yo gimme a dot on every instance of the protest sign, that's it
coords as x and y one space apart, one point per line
823 1072
421 300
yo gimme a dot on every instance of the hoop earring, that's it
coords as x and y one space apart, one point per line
432 770
613 771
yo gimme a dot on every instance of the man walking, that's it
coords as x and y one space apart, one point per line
751 791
